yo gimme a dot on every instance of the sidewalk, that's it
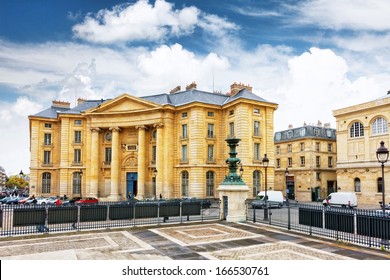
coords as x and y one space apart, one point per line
194 241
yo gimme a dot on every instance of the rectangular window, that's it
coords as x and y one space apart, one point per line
184 115
78 122
47 139
278 150
210 130
256 111
318 176
330 161
289 148
302 145
184 155
210 114
46 182
278 162
210 153
317 146
184 183
231 129
256 128
330 147
46 157
318 161
154 154
290 162
108 156
256 151
77 136
231 112
47 125
302 161
77 156
210 183
184 132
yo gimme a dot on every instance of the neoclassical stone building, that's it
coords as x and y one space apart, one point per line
360 129
170 144
305 162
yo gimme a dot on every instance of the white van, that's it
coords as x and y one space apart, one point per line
343 199
275 199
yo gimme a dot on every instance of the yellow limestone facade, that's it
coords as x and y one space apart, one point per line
170 145
360 129
305 160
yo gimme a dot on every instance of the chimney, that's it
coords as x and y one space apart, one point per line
290 126
191 86
61 104
235 88
80 100
176 89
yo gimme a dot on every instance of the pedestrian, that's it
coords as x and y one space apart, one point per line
129 196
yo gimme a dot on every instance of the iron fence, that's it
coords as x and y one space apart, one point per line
366 227
30 219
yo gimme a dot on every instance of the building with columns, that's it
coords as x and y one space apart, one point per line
305 162
169 144
360 129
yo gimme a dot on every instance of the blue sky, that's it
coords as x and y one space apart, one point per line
310 57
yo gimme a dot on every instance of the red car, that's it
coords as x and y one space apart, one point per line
87 201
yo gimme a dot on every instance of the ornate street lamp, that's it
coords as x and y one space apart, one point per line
287 192
241 170
154 182
81 180
265 165
382 154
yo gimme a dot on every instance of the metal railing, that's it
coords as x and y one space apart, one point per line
31 219
366 227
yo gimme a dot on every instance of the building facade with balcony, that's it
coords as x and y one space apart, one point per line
170 144
360 129
305 162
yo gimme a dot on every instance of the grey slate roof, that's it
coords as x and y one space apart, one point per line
175 99
307 131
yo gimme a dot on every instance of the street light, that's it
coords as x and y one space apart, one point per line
154 182
81 180
21 174
382 154
287 191
265 165
241 170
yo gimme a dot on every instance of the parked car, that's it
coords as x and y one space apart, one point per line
5 199
87 201
71 201
14 199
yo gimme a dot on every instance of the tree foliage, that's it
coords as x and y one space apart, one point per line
16 181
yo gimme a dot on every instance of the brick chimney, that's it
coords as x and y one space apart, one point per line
235 88
61 104
80 100
191 86
176 89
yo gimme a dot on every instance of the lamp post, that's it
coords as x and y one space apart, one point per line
265 165
241 170
81 180
154 182
382 154
287 201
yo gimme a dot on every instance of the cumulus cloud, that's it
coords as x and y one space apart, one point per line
143 21
347 14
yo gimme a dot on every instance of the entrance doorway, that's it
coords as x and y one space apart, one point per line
290 191
132 183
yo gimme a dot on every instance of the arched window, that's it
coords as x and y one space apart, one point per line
46 182
357 185
380 185
379 126
256 182
76 183
356 130
210 175
184 183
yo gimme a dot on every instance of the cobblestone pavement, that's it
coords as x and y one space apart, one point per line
201 241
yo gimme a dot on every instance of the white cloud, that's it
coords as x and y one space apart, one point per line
142 21
347 14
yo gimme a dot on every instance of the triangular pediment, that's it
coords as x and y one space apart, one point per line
124 103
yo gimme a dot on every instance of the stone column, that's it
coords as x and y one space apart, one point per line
159 160
141 161
114 195
94 173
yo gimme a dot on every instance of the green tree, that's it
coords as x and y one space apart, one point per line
16 181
